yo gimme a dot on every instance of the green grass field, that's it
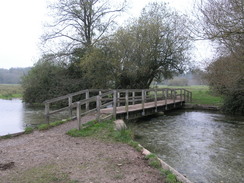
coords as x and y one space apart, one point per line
8 91
200 95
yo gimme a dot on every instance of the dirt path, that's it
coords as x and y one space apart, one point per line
53 156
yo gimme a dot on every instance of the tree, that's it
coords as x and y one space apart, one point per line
222 21
224 74
153 46
80 23
50 78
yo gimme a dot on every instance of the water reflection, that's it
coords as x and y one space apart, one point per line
10 123
207 147
16 115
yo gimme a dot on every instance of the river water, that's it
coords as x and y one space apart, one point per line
16 115
206 147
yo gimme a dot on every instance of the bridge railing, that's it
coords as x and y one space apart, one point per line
91 101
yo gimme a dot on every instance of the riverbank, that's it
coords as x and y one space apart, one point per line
9 91
53 156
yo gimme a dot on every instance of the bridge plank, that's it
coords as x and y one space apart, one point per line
136 107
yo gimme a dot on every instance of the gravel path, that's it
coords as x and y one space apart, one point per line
84 160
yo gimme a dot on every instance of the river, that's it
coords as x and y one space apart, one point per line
16 115
207 147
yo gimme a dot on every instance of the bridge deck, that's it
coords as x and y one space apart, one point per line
137 107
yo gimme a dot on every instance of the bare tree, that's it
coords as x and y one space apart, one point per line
222 21
80 23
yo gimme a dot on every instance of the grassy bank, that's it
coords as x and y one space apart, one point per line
200 94
8 91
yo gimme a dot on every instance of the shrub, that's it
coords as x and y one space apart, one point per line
43 127
234 103
28 130
153 161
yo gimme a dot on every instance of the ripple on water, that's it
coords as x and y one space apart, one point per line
205 146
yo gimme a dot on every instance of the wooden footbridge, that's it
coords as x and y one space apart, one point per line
118 104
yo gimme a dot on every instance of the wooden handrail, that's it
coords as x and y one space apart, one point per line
113 99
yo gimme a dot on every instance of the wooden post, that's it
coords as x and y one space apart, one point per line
118 94
155 100
98 107
174 96
78 113
163 94
181 96
70 106
47 107
143 102
166 107
127 104
87 103
190 96
133 98
184 95
114 104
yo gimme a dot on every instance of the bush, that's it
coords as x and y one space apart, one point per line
28 130
43 127
49 79
234 102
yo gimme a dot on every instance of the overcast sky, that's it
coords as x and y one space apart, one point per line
21 24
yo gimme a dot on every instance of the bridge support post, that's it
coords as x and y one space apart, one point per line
118 96
114 104
98 107
155 100
181 96
127 104
47 107
143 102
87 103
184 95
133 98
70 106
166 107
78 113
174 97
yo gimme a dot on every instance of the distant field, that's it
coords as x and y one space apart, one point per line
200 94
8 91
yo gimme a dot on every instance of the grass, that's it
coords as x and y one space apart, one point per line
105 130
201 95
29 130
8 136
169 176
9 91
53 124
41 174
154 162
43 127
102 130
